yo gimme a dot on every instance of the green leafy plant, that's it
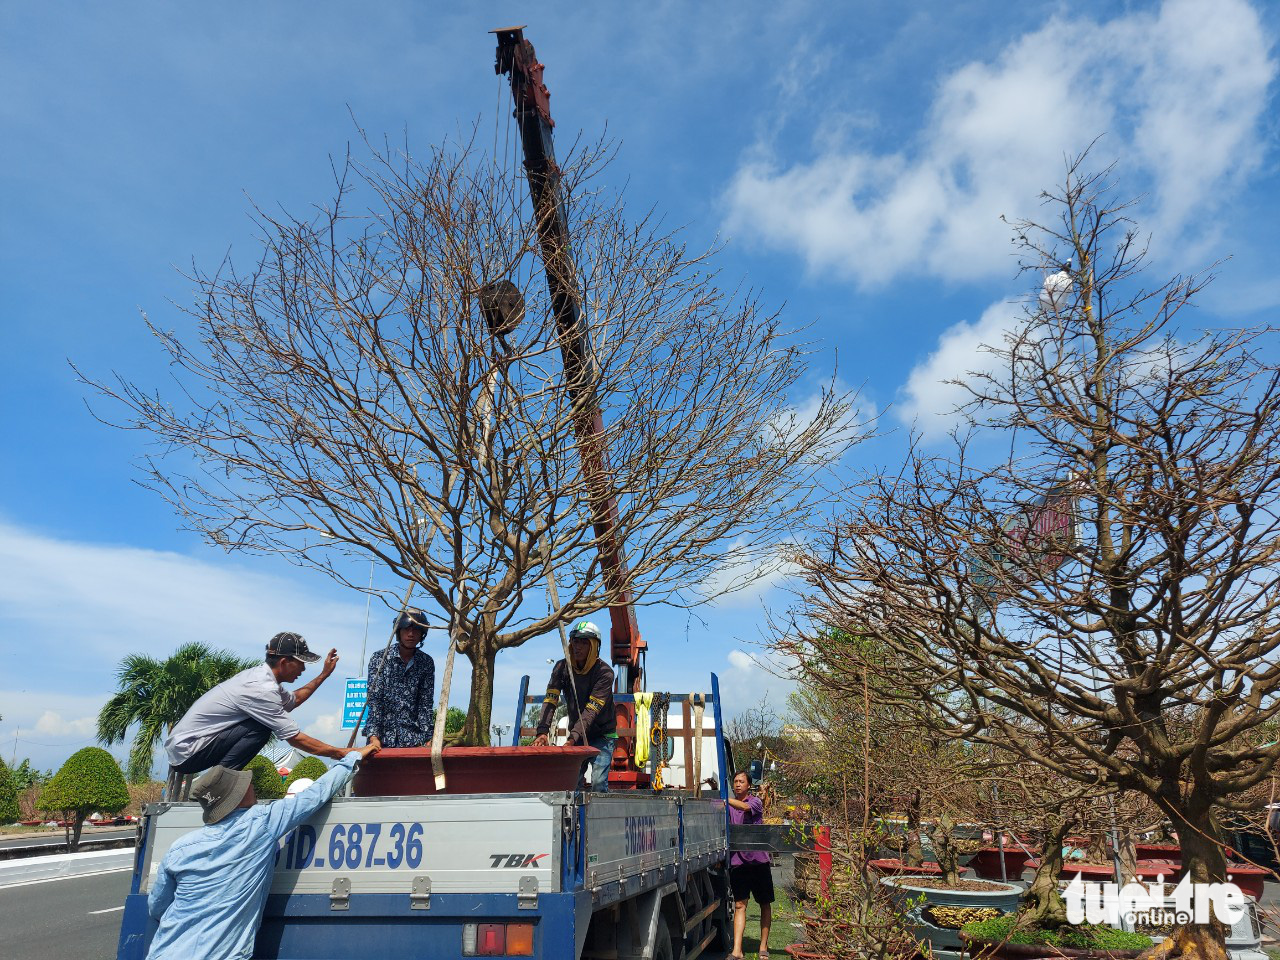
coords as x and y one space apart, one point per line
267 783
153 695
454 720
1084 936
90 780
8 795
313 768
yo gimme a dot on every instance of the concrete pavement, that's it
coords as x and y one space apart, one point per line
72 919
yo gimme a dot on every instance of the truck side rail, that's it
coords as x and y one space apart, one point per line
685 739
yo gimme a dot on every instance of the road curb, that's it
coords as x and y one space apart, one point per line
60 865
86 845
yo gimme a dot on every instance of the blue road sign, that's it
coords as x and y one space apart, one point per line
353 705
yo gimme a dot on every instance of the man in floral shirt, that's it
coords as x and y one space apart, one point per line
401 698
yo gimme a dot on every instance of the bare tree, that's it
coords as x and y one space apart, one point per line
1137 652
387 380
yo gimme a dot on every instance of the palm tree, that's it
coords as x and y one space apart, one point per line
154 694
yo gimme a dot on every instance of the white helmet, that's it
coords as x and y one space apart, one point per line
585 628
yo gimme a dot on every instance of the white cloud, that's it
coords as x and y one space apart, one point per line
53 724
94 603
752 677
131 600
930 395
1178 92
744 576
328 727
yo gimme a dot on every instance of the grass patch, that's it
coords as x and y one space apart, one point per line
782 933
1085 936
17 828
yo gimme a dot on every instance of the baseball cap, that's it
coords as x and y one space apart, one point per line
291 645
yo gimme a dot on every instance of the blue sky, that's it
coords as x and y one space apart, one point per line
856 160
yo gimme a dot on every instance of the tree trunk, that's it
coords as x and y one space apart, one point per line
914 855
1204 862
944 848
1045 909
77 824
475 731
1127 848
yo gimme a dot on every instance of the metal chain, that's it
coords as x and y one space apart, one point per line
658 736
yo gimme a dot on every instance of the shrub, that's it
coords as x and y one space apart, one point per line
1084 936
312 768
8 796
267 783
90 780
454 720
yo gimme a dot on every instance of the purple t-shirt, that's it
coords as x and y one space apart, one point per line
754 815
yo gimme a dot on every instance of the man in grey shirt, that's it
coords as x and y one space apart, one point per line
233 721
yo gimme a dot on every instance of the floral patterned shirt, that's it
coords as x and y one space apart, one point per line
401 710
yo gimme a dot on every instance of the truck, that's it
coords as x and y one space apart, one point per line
564 874
503 862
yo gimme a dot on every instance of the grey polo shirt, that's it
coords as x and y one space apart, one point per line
252 693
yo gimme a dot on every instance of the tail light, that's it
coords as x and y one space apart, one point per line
497 940
520 939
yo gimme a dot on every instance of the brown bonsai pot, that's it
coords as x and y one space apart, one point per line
896 868
407 771
986 863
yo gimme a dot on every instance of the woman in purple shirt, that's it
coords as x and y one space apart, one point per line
749 871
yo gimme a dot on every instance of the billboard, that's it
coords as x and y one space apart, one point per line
1034 542
353 702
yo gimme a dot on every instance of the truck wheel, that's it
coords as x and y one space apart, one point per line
662 949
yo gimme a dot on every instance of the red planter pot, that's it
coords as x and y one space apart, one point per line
986 863
1149 871
406 771
1248 878
1158 851
1088 871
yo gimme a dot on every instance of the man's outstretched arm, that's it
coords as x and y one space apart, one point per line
283 815
309 744
301 695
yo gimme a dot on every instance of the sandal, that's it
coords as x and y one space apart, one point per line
763 955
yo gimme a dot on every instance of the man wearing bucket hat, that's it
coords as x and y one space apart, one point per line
592 719
233 721
210 888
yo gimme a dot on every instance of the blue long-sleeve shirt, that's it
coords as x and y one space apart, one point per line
212 884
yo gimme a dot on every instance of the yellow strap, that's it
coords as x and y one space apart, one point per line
643 700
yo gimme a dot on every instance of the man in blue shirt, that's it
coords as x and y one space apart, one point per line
211 886
401 685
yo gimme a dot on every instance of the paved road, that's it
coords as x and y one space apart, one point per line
57 837
64 919
79 918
